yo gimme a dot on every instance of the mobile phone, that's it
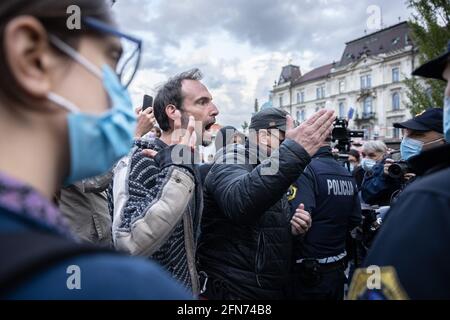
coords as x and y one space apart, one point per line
147 102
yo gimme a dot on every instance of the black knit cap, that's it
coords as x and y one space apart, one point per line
270 118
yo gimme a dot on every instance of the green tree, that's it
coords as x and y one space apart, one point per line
244 126
430 25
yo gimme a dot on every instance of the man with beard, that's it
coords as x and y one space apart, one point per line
157 200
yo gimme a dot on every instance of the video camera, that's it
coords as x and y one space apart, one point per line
343 135
398 169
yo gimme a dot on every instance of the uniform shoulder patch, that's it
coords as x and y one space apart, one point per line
292 193
376 283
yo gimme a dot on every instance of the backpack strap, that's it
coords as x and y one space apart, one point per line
25 254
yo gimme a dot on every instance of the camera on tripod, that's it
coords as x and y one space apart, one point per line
342 135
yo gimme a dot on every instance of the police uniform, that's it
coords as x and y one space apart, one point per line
329 193
410 257
412 251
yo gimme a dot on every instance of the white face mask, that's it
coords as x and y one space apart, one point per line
367 164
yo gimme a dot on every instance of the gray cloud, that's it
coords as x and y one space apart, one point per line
296 26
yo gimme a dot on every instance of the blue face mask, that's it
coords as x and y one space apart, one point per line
97 141
367 164
410 147
447 118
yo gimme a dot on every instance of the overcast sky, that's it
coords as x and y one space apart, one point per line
241 45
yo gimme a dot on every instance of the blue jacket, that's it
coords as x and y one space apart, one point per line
103 276
377 188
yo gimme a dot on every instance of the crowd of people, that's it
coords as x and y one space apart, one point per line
125 197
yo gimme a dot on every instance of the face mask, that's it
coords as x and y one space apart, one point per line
410 147
367 164
447 118
97 141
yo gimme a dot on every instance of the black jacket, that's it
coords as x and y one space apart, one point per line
246 239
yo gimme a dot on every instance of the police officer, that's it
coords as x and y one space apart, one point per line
422 132
329 192
410 256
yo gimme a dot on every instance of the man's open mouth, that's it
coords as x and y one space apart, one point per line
209 125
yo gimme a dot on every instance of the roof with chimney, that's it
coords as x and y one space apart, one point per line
392 38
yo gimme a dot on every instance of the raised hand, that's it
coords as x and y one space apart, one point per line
312 133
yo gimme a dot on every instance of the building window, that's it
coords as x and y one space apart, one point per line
367 132
396 133
281 101
395 75
300 97
341 86
366 81
367 106
300 115
341 110
396 101
320 92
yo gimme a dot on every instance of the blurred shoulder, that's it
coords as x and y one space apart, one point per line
103 276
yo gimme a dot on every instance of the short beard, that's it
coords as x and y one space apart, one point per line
184 120
184 125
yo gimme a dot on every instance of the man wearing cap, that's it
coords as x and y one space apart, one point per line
423 132
410 256
247 226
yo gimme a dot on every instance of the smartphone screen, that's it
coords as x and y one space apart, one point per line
147 102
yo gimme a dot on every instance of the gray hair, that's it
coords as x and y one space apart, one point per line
374 146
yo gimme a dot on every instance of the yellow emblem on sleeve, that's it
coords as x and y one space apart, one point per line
376 283
292 192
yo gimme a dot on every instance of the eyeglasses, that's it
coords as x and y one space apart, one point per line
132 47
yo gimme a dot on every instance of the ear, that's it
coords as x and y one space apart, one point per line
28 55
170 111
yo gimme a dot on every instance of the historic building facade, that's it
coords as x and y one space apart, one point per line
365 86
